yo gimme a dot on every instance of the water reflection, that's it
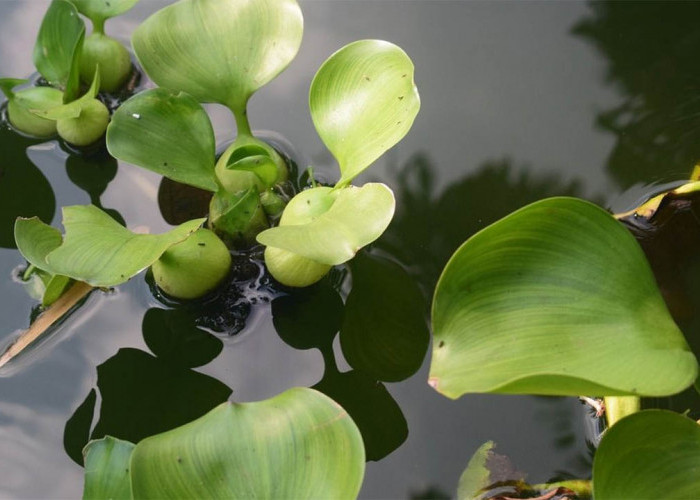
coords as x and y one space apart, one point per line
393 348
428 228
24 191
651 50
142 394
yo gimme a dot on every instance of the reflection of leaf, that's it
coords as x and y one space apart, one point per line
384 333
24 191
650 454
96 249
107 469
545 301
92 173
173 336
179 203
244 451
357 217
378 417
60 36
168 133
219 51
363 101
309 317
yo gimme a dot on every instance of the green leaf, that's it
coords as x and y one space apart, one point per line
35 240
219 51
556 298
72 109
107 469
55 287
651 454
363 101
347 220
477 476
299 444
8 84
96 249
237 217
100 10
385 332
166 132
59 40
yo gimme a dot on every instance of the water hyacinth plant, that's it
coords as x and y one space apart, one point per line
64 58
363 101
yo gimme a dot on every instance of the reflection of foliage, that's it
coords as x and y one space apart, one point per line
392 349
24 191
426 231
652 50
143 395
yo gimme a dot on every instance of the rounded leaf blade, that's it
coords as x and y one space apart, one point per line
650 454
219 51
357 217
556 298
100 10
107 469
299 444
168 133
363 101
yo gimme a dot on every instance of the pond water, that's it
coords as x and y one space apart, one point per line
520 101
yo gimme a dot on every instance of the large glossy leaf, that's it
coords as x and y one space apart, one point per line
556 298
651 454
96 249
219 51
107 469
363 101
356 217
299 444
59 40
101 10
166 132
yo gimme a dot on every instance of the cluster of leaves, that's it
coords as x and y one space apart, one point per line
64 57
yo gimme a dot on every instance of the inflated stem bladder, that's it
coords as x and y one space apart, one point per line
111 57
21 104
194 267
556 298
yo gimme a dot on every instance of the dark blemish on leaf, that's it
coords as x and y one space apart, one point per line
441 344
398 123
179 460
400 98
404 75
308 202
108 4
122 275
367 78
165 163
202 244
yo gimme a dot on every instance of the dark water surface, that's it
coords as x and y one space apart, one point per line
520 101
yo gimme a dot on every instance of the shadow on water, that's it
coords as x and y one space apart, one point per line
651 49
24 191
143 394
383 337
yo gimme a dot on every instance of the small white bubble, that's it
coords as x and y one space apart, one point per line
136 115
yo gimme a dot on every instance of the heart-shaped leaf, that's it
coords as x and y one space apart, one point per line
556 298
219 51
353 217
363 101
650 454
96 249
299 444
58 43
166 132
107 469
100 10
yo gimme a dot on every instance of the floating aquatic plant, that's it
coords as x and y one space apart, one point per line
63 56
188 261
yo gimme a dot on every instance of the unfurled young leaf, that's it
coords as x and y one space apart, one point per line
363 101
107 469
556 298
